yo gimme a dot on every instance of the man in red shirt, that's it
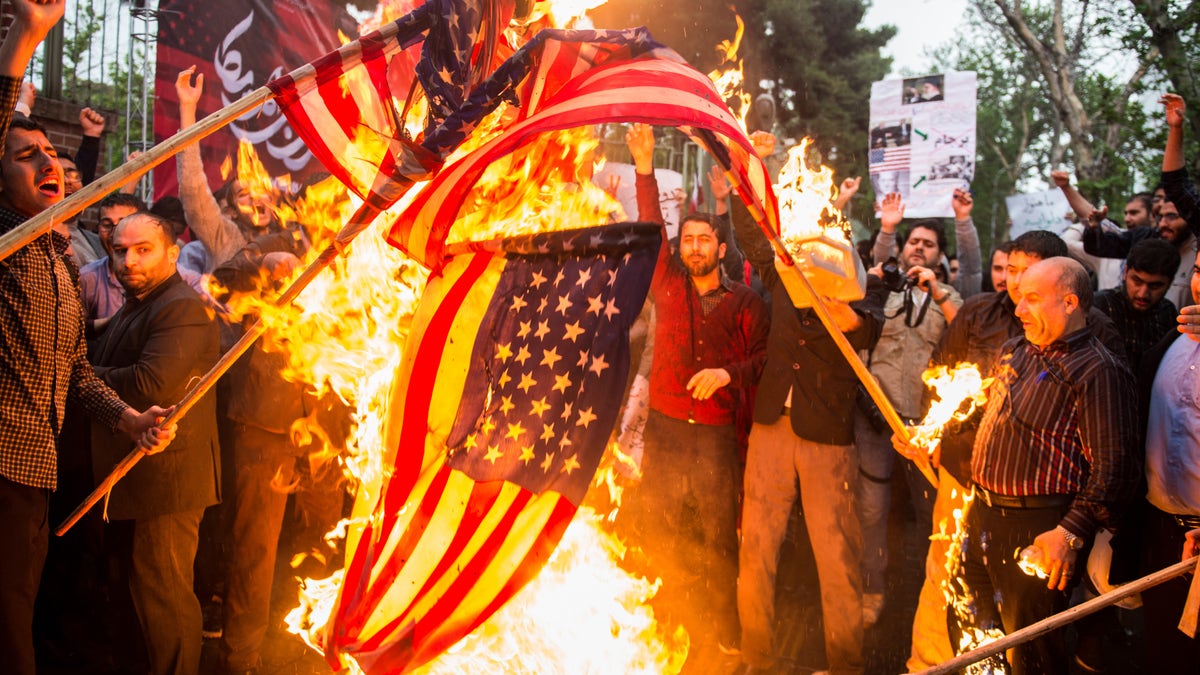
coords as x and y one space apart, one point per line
710 337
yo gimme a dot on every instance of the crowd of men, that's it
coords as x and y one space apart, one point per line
1090 423
1086 434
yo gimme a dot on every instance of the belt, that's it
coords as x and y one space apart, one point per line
1186 522
1022 502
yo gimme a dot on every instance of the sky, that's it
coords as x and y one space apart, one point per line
921 24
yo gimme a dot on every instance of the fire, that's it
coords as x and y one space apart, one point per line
598 613
957 594
954 387
806 196
729 76
815 234
545 185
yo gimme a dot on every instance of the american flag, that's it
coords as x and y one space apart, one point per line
457 529
519 365
882 160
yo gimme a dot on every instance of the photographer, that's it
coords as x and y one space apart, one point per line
917 311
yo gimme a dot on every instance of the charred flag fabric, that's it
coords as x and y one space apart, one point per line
516 375
507 389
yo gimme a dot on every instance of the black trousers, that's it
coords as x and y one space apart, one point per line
24 536
1166 647
1002 595
158 554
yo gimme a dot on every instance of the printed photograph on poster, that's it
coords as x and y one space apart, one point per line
924 89
921 140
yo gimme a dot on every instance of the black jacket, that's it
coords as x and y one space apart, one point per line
150 353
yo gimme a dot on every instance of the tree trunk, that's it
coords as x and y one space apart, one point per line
1174 60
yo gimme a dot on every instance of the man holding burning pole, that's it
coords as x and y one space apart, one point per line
803 437
160 339
1055 458
984 324
710 341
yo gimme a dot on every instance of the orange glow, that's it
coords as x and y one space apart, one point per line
729 77
959 391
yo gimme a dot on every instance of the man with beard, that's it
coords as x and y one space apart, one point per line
916 315
710 335
223 229
1138 308
161 339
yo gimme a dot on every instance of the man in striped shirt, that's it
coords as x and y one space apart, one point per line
1056 458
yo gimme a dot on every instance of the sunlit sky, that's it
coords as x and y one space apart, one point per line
922 24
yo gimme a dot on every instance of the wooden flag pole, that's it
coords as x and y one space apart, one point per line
1062 618
130 171
363 217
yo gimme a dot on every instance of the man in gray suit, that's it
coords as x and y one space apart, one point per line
156 344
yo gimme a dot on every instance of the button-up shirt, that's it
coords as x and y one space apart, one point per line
1173 431
1140 330
1061 420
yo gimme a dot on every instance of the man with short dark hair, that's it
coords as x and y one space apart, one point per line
977 335
710 335
44 358
99 288
915 318
1055 459
157 343
1138 308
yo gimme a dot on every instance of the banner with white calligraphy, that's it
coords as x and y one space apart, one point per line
922 140
1046 210
239 45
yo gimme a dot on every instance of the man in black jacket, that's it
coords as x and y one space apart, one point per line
156 344
803 436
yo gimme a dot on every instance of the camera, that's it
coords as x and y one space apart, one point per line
894 278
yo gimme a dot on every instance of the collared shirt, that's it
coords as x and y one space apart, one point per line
45 358
1173 431
1061 420
726 328
100 291
977 335
1141 330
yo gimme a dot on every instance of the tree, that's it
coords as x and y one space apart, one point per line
1172 30
1058 42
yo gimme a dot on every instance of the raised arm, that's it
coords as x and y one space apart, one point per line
891 212
32 20
219 234
966 237
1179 189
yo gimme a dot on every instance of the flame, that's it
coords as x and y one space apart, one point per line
344 335
806 195
953 387
545 185
729 77
958 596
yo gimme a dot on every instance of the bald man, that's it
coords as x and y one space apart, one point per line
1055 459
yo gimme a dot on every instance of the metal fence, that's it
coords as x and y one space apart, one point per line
102 55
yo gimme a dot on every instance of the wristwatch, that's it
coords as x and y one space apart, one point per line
1075 543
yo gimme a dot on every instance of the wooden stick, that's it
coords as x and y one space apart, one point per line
366 213
1062 618
40 224
839 338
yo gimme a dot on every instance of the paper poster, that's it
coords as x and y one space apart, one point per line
1045 210
671 197
922 140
